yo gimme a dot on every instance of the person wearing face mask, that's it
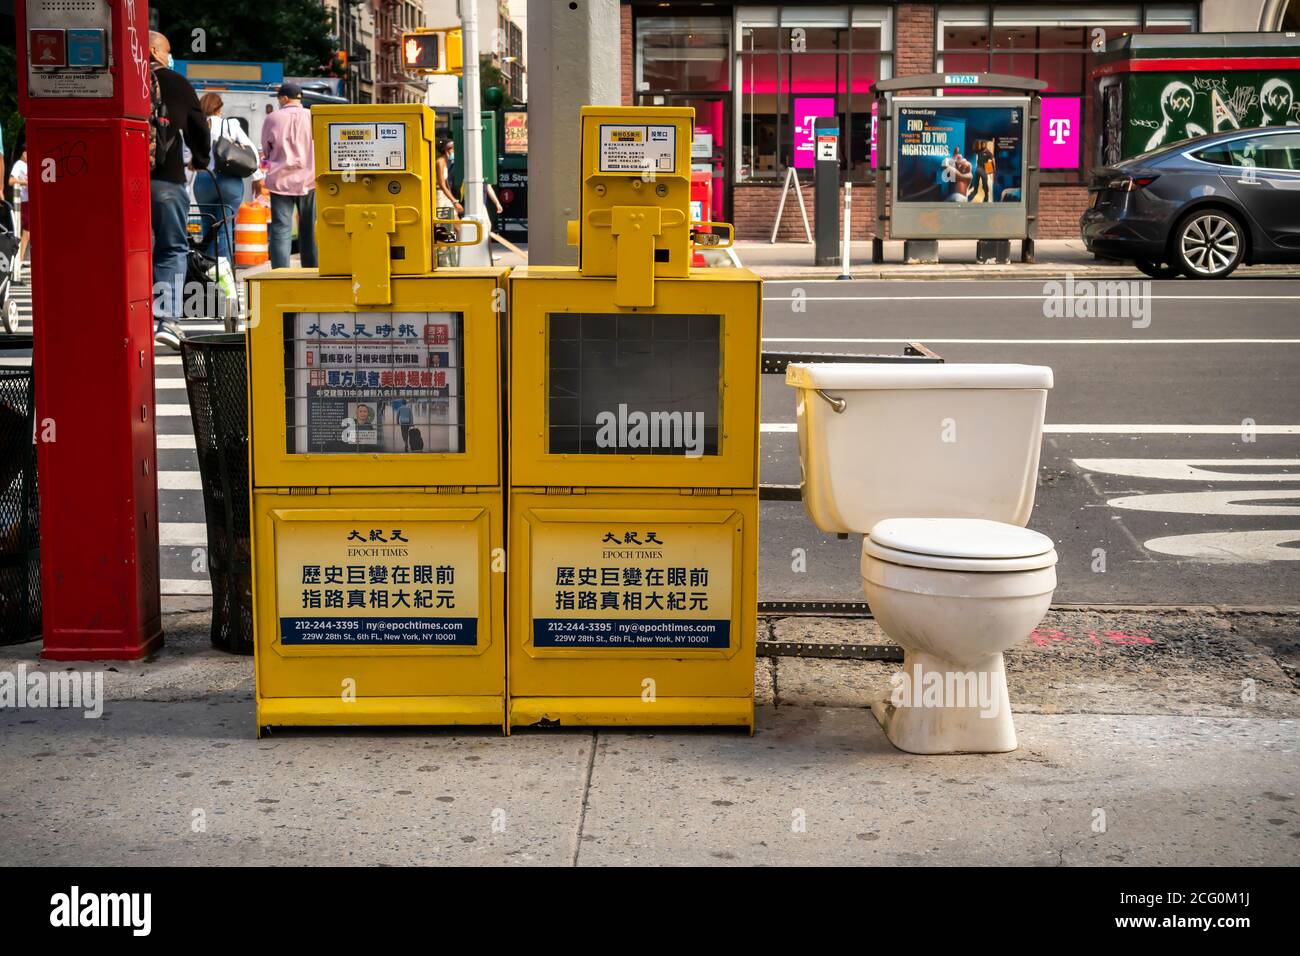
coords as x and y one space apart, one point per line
169 197
449 207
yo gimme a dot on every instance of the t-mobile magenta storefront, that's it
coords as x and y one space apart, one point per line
758 74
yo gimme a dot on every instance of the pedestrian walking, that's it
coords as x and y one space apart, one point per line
449 207
176 115
233 152
290 178
18 179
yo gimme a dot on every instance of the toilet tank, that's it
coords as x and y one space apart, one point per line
932 440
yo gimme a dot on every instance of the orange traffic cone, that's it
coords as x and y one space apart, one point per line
252 246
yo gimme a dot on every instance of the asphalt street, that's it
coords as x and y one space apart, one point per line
1188 415
1150 416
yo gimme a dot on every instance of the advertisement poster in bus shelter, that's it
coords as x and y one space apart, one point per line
960 153
960 167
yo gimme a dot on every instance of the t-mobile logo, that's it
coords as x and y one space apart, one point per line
1058 128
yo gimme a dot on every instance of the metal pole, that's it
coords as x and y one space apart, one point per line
476 255
848 219
883 165
573 60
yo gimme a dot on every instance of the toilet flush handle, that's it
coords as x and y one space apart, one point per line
838 404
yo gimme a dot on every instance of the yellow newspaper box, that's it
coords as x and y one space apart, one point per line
634 452
375 397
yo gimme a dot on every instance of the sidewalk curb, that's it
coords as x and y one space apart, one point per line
950 273
1260 610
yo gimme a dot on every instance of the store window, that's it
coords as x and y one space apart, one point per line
794 64
1053 44
682 54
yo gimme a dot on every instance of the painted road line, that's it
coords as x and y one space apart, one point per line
1039 296
931 279
179 481
185 586
1276 503
931 340
1196 469
172 411
1237 429
26 361
182 534
1237 547
176 441
27 326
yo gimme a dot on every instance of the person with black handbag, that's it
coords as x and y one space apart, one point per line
234 159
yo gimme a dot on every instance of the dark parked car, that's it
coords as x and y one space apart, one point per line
1200 207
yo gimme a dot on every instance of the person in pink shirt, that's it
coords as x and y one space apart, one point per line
290 177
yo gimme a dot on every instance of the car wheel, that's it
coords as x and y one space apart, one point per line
1209 244
10 316
1157 270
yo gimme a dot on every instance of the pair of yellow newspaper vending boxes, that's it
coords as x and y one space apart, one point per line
495 497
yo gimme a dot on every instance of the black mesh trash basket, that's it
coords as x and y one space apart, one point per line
216 370
20 556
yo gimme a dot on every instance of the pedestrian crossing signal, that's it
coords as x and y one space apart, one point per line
420 51
432 51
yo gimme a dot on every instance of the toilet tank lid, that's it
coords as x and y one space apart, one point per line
849 376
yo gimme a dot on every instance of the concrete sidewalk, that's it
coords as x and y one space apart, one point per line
1054 258
1137 746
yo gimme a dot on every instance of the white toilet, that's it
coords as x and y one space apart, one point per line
937 465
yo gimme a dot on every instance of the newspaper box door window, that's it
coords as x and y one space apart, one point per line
378 383
634 384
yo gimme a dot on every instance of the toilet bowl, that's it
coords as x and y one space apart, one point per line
937 466
954 593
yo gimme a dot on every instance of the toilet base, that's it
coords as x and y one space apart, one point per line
930 708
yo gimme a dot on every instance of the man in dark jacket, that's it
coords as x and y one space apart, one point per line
169 196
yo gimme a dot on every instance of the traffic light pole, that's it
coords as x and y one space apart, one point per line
478 254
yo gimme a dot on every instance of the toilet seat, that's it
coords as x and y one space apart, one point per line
958 544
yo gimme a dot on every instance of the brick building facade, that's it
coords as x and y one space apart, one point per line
750 69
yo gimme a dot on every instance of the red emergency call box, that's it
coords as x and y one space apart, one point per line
701 196
84 59
701 206
83 85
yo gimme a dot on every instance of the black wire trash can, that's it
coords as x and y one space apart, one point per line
20 532
216 370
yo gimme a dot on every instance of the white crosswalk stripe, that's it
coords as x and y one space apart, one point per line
180 502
